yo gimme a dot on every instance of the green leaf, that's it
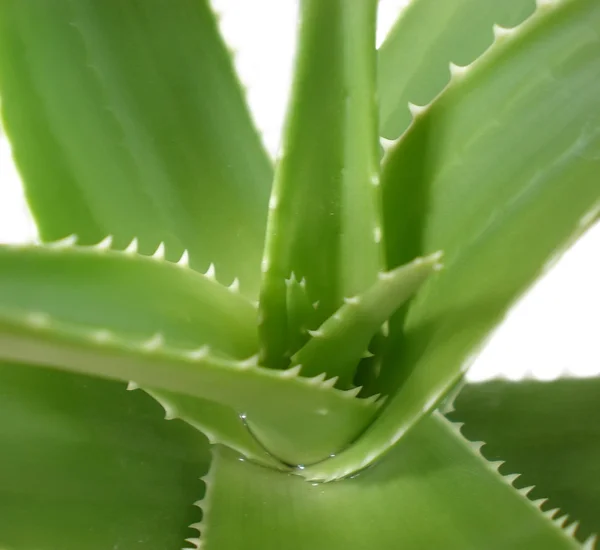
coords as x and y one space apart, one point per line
429 34
501 173
338 345
219 423
117 315
86 464
548 431
324 211
134 296
431 491
126 119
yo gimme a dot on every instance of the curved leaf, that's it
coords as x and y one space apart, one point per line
126 119
429 34
548 431
86 464
431 491
501 174
324 219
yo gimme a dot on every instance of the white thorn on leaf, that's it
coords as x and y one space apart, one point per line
317 379
416 110
352 300
210 272
316 304
264 265
511 478
560 521
101 335
252 361
199 353
330 383
273 202
292 372
38 319
159 253
367 355
526 490
372 398
544 3
353 392
590 543
170 413
154 342
385 329
385 275
105 243
572 529
131 386
551 513
67 242
377 234
302 282
132 247
184 261
476 445
316 333
501 32
457 70
539 502
235 285
387 144
496 464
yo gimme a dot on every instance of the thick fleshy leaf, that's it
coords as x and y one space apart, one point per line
219 423
548 431
126 118
324 211
429 35
432 491
86 464
338 345
501 174
127 294
166 327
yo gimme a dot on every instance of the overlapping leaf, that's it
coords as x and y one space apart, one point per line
501 173
86 464
431 491
126 118
548 431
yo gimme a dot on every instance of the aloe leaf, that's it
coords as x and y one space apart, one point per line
146 320
338 345
105 291
86 464
548 431
505 183
219 423
324 211
301 314
413 65
432 491
126 118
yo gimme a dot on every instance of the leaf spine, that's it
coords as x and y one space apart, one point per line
199 353
318 333
67 242
352 300
210 272
131 386
292 372
184 261
153 343
159 253
572 529
105 243
457 70
501 32
352 392
317 380
330 382
416 110
252 361
132 247
235 285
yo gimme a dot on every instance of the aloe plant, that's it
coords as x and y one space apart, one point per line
303 324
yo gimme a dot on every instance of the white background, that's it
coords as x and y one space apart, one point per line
552 331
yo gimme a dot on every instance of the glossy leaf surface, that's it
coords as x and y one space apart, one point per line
548 431
501 174
431 491
126 119
428 36
324 222
138 320
86 464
